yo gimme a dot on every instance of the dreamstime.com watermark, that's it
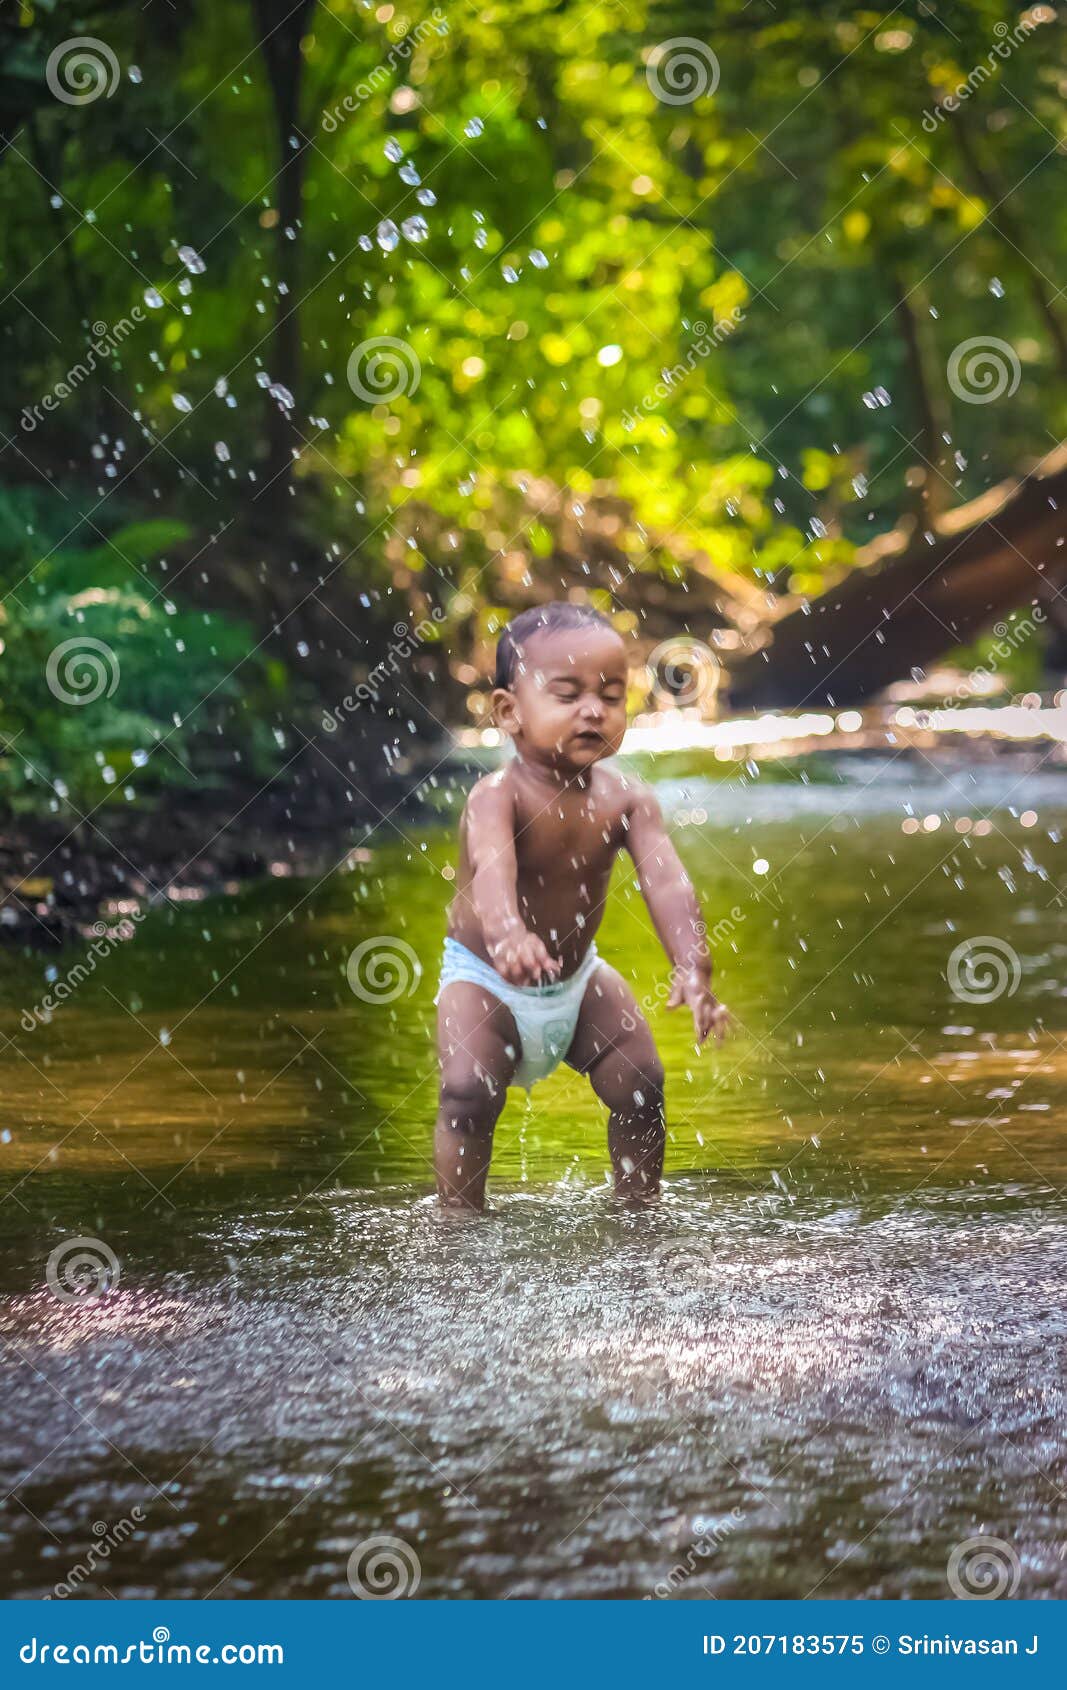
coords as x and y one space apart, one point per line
979 682
383 968
382 369
672 377
108 1539
157 1651
701 1549
106 940
405 642
983 1569
104 344
983 369
80 69
683 1269
1008 39
983 969
683 671
81 670
383 1569
82 1270
399 53
661 991
681 70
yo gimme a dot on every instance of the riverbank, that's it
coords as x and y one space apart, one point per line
58 880
59 877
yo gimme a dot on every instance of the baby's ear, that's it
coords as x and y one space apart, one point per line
505 710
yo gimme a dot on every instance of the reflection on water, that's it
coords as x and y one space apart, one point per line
832 1355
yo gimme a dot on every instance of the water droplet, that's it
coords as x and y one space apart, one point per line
192 260
153 298
394 152
180 402
415 229
473 127
426 196
409 174
538 259
222 451
388 235
509 274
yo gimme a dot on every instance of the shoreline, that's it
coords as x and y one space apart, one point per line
56 885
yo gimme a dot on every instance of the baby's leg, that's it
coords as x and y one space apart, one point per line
478 1049
614 1046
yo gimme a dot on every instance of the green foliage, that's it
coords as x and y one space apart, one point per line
111 691
685 306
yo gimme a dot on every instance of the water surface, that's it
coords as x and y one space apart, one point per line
831 1356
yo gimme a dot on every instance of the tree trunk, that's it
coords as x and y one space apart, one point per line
904 607
281 28
1002 219
935 494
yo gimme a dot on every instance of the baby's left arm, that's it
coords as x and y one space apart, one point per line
672 902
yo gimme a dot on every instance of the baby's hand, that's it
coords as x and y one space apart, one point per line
693 987
524 960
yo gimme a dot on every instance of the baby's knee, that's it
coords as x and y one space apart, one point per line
470 1097
648 1083
631 1081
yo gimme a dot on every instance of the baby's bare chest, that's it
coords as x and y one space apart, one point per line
563 838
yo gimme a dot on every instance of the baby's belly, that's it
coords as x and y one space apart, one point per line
566 927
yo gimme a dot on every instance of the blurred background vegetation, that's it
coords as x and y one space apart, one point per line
193 257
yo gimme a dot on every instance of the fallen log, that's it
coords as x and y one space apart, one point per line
908 600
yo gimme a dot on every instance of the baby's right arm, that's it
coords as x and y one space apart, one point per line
518 955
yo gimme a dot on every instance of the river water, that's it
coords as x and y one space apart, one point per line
830 1359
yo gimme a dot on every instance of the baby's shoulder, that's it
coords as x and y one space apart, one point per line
621 791
491 797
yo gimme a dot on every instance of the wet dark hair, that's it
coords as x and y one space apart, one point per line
542 619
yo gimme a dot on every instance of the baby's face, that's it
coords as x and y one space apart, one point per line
567 703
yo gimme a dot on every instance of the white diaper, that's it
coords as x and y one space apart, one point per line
545 1016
